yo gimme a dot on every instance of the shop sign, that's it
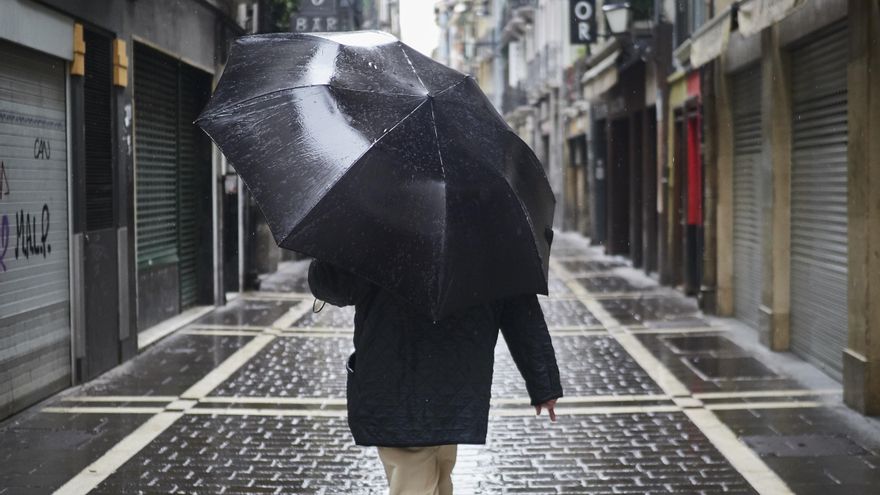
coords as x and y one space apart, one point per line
582 15
319 16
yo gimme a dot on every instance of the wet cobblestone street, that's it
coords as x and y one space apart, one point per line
250 399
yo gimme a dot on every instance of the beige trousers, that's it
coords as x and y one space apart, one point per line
419 470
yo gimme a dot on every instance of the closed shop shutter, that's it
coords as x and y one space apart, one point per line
156 122
98 133
747 269
34 271
173 179
819 199
194 91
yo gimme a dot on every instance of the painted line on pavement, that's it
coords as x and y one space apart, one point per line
343 330
235 411
740 456
333 401
326 335
765 405
594 333
103 410
211 326
660 331
120 398
578 328
563 410
221 333
552 298
589 398
90 477
336 409
745 394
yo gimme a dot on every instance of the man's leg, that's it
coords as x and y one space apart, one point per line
445 462
418 470
410 471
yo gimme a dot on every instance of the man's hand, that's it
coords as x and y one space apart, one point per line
549 405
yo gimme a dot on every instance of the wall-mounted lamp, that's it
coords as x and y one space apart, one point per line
619 17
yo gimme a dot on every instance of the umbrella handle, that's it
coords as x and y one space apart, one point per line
315 308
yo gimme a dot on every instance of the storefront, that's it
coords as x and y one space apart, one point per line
748 279
819 197
577 210
35 296
685 184
173 187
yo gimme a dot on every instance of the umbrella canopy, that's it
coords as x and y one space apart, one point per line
366 154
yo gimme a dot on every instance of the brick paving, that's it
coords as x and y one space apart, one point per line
293 367
273 422
588 366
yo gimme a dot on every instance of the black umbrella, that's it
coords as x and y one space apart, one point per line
366 154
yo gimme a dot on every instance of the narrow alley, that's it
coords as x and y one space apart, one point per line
250 399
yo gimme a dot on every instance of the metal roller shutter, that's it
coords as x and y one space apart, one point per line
173 160
156 122
819 199
194 91
97 92
747 274
34 277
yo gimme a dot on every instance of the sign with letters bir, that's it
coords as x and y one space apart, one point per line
583 21
317 16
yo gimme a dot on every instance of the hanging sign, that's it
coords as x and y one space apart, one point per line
582 14
319 16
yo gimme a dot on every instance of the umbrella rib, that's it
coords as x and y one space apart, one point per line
437 142
354 162
411 66
463 79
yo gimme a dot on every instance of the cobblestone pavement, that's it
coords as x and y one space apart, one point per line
250 399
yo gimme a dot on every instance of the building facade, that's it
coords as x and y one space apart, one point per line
723 146
110 200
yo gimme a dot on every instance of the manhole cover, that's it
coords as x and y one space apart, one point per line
728 368
702 344
802 445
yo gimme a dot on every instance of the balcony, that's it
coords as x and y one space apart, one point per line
515 15
544 69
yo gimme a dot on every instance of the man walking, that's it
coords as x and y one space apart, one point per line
417 388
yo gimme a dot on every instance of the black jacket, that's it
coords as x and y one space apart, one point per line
414 382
